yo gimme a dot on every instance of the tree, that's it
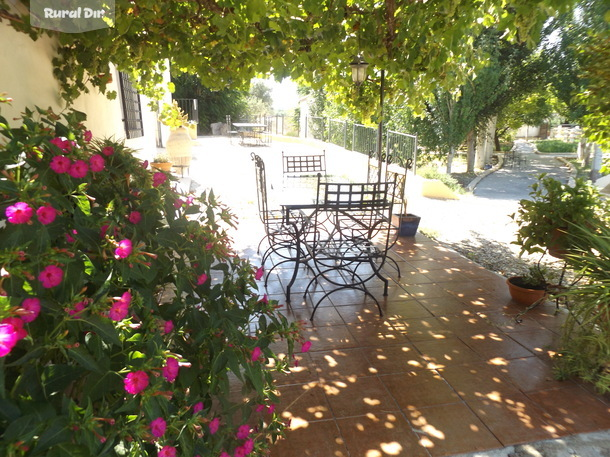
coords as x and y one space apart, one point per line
214 106
259 100
420 45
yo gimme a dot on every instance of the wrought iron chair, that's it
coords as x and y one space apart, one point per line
230 132
282 226
352 234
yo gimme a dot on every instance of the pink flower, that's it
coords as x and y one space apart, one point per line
134 217
51 276
19 213
60 164
201 279
170 370
31 309
259 273
270 409
120 308
240 451
76 309
64 145
265 299
108 151
159 178
87 135
168 326
136 382
103 230
17 325
145 164
248 446
306 346
178 203
256 354
214 424
8 339
97 163
46 214
167 451
158 427
123 250
78 169
243 432
224 454
69 237
197 407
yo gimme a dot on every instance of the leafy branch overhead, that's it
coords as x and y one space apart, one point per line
420 44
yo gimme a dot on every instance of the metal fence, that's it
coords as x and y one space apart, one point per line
399 148
190 108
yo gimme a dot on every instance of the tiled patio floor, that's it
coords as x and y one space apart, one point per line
446 370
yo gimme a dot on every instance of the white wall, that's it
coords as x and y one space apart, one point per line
27 77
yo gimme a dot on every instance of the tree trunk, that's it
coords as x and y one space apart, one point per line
471 140
450 159
597 163
486 143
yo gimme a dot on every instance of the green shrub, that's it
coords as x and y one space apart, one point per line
128 324
432 172
555 146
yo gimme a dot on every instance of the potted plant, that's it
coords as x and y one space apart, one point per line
529 288
161 162
179 144
553 206
406 223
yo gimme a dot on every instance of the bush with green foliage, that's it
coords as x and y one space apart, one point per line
128 324
432 172
555 146
585 343
552 206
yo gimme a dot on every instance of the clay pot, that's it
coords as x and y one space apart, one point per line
524 294
162 166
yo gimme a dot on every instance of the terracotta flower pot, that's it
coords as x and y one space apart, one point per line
162 166
523 294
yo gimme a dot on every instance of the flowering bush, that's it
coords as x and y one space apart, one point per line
128 326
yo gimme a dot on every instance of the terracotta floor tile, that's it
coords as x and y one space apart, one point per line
572 409
380 435
478 381
467 288
423 329
426 291
405 309
531 374
409 278
441 353
446 275
327 338
357 314
496 345
358 396
376 334
443 306
303 402
508 323
326 315
467 324
543 343
394 359
341 364
419 388
513 419
451 429
311 439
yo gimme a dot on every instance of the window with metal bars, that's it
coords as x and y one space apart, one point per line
132 109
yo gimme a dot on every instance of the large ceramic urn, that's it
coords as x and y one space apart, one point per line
179 146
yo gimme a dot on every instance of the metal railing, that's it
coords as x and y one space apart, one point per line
190 108
398 148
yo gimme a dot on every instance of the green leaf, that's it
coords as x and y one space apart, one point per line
84 359
104 328
56 432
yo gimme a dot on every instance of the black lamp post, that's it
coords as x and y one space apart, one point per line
359 67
